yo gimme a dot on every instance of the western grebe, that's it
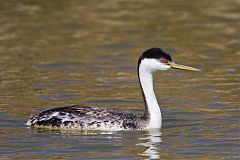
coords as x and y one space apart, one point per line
96 118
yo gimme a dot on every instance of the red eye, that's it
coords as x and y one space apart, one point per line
163 60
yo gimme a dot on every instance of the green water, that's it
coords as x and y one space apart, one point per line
58 53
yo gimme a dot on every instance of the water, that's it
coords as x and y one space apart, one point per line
58 53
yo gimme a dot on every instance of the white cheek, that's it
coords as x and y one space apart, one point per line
153 65
164 67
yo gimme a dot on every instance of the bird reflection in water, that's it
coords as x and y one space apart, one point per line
152 139
139 143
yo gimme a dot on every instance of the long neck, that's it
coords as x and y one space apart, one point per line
152 110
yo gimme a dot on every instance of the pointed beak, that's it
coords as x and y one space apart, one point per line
179 66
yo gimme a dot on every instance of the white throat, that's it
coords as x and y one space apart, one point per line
146 79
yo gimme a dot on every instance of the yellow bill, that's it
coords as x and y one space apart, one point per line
179 66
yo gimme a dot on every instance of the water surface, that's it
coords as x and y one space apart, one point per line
58 53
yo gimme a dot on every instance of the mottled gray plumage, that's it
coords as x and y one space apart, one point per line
87 117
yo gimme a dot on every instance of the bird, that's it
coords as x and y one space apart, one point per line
77 117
